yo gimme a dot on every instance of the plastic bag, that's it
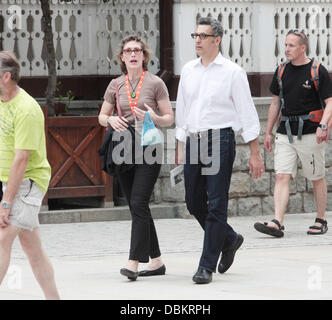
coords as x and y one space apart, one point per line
150 134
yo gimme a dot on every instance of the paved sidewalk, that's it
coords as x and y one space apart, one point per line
87 258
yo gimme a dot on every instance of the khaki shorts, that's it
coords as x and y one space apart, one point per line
26 206
311 154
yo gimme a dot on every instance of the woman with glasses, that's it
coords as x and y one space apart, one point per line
139 91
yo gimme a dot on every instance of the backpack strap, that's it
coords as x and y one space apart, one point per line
315 73
315 78
281 70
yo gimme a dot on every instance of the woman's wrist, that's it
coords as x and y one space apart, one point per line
107 121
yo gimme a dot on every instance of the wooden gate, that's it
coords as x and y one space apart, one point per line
72 151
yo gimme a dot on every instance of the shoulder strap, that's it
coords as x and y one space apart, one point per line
117 99
315 73
315 78
281 70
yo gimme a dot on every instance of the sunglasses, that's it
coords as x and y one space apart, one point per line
297 33
202 36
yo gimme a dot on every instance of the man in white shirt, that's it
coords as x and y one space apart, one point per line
213 100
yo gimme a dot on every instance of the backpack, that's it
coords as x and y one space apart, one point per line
318 114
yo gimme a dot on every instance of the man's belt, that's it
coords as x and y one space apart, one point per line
300 119
200 134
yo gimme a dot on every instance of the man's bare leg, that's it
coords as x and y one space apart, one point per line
40 263
320 193
281 198
7 237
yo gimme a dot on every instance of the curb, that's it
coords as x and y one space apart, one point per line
161 211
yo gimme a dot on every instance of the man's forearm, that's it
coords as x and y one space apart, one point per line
327 116
254 147
272 116
179 152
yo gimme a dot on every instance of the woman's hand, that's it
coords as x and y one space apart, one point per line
117 123
140 114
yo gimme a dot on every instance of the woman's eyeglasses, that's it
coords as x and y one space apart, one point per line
130 51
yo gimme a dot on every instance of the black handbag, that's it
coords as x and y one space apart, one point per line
112 162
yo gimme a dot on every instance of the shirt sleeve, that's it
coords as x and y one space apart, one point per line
245 107
109 95
180 113
161 90
274 87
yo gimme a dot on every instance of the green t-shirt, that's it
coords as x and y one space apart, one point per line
22 128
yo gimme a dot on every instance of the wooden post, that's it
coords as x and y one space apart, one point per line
166 40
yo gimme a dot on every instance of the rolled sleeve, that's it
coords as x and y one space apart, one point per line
180 134
245 106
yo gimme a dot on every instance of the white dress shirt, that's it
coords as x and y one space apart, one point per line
213 97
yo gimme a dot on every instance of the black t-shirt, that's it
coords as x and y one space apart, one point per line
300 94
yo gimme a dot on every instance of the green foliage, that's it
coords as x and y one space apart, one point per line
65 99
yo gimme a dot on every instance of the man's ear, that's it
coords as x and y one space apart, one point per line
218 40
7 76
304 48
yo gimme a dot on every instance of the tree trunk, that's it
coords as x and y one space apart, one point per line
51 63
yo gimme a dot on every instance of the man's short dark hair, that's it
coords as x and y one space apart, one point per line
217 29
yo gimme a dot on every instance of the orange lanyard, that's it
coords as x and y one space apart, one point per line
133 104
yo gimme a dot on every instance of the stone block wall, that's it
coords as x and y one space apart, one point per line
249 196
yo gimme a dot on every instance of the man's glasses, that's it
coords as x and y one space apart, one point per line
202 36
130 51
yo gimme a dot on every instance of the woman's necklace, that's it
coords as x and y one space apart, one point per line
133 104
133 94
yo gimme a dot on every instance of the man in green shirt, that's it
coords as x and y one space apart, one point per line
24 173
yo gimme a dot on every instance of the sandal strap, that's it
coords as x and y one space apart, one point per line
323 222
278 224
316 228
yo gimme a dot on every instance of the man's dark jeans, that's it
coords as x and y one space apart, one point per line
207 194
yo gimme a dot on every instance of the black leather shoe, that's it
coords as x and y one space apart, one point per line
128 273
202 276
157 272
228 254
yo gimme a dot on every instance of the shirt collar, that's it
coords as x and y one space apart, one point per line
219 60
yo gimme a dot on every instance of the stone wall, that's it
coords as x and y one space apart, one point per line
249 196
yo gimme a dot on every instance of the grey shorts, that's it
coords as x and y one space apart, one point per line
26 205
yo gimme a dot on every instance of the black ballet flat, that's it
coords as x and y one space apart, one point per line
157 272
131 275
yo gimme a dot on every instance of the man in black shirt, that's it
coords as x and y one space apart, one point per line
300 133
